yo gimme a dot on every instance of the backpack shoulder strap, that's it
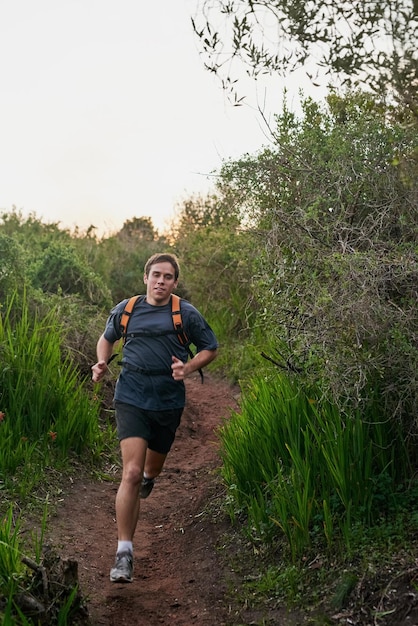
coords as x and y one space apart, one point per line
177 321
124 320
178 326
126 314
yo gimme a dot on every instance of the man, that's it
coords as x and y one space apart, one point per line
149 394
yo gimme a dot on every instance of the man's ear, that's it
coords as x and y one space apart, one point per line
145 279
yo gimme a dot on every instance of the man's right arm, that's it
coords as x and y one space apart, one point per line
104 351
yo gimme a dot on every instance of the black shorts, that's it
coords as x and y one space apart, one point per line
157 427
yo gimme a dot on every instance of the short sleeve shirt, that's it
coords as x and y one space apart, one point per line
146 377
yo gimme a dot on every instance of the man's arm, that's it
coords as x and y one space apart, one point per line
182 370
104 351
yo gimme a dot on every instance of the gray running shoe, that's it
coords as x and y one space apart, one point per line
122 572
146 487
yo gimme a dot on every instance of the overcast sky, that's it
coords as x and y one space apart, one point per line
106 111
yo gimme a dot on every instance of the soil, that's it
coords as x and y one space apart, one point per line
183 573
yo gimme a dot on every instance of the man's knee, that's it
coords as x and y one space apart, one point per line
132 474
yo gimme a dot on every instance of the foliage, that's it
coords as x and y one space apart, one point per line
60 269
46 412
333 210
13 267
10 566
31 230
298 467
369 43
54 260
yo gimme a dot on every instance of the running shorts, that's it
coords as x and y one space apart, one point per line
156 427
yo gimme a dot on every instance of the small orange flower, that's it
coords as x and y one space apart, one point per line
2 416
24 438
52 435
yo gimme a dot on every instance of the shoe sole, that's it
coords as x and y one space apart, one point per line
120 579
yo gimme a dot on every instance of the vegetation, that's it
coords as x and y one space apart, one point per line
297 467
335 279
304 260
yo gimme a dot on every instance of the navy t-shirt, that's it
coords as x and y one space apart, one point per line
146 379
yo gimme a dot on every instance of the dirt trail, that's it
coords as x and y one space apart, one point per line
177 580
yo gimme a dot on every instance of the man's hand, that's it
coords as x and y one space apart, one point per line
99 369
104 351
178 368
182 370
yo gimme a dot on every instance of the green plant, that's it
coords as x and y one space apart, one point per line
11 568
46 411
294 462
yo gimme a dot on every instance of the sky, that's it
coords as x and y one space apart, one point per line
107 113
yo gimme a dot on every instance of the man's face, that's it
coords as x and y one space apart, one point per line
160 283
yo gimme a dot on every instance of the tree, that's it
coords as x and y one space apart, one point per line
366 43
139 228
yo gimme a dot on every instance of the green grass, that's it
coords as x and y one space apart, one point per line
47 413
298 468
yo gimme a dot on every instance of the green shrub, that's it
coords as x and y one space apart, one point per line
61 270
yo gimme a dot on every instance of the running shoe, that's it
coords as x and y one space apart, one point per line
122 572
146 487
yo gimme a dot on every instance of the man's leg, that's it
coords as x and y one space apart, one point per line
154 463
134 450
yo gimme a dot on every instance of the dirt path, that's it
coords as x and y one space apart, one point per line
177 579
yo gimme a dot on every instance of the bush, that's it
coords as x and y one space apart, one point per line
332 206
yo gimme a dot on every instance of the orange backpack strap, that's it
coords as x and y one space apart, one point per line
126 314
124 320
177 321
178 327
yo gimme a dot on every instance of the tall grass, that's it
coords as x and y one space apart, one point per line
46 411
293 462
11 567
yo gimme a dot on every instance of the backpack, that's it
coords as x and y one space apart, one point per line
176 317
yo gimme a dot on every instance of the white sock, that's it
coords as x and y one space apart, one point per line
125 546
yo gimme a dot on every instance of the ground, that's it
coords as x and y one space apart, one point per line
183 573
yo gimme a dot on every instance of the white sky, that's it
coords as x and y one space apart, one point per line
106 111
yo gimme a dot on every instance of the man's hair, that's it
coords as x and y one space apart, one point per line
163 257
